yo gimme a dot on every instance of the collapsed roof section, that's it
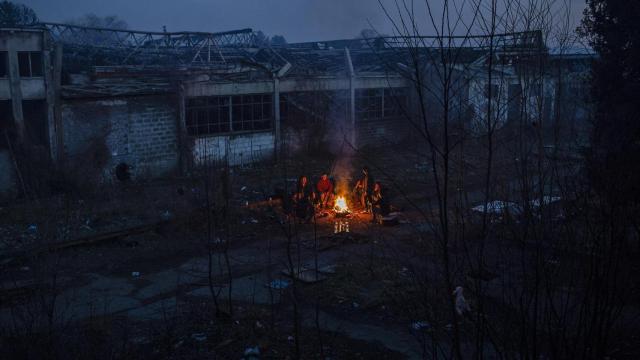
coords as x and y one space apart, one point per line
117 61
109 47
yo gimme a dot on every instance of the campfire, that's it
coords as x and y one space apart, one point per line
341 208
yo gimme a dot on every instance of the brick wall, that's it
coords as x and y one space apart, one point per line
139 131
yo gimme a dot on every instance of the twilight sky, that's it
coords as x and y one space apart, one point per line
297 20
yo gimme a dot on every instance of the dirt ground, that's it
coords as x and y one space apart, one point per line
130 270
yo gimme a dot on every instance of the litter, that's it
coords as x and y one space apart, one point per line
328 269
355 305
200 337
461 303
403 272
546 200
421 325
166 215
499 207
243 188
279 284
254 221
251 353
135 274
310 276
32 228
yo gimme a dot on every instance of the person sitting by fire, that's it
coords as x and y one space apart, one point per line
324 187
364 189
303 199
379 205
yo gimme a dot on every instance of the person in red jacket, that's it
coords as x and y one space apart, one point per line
325 191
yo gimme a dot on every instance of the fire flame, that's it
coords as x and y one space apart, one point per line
341 204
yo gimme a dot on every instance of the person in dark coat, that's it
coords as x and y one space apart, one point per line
379 204
303 199
364 189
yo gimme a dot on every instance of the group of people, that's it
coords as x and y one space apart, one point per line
367 192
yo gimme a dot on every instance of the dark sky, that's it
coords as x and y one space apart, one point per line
297 20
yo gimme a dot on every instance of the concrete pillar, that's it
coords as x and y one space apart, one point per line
50 96
276 116
352 96
16 91
181 130
57 115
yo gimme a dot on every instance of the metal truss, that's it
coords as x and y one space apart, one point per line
125 47
517 41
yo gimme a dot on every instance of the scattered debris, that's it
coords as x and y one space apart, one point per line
32 228
403 272
461 303
355 305
254 221
546 200
306 275
328 269
224 343
135 274
499 207
200 337
279 284
251 353
243 188
166 215
389 220
421 325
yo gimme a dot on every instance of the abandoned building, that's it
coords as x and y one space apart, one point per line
163 103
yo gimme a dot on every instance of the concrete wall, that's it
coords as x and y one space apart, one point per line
379 133
290 85
240 149
139 131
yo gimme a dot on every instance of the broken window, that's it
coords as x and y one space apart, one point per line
30 63
207 115
210 115
369 104
251 112
395 102
4 64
